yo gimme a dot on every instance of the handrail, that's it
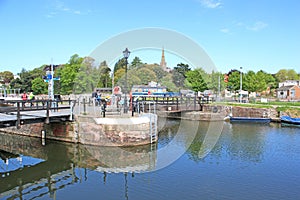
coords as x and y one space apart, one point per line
15 107
34 105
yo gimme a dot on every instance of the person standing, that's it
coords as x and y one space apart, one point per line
24 96
31 98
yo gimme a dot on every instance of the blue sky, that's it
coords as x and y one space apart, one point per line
256 34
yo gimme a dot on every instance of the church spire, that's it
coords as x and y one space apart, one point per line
163 63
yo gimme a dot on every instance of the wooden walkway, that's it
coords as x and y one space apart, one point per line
17 113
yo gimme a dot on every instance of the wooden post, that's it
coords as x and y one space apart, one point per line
200 103
167 102
104 109
48 113
177 102
181 99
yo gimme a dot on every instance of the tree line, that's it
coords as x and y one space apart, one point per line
83 74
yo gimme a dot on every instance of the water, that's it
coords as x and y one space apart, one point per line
243 161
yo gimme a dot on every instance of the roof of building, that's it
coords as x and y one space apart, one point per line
148 86
286 88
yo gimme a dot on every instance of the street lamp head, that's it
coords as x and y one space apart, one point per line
126 53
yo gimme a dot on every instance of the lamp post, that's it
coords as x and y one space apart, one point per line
241 84
126 54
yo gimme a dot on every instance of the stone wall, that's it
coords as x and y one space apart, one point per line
89 132
238 111
218 112
64 131
85 130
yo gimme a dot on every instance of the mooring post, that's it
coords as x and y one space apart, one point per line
18 116
71 111
43 136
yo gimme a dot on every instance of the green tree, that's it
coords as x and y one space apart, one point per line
118 75
168 82
24 83
264 81
286 74
6 77
86 79
120 65
213 80
84 83
234 81
16 84
136 63
39 86
250 81
182 68
145 75
68 74
179 74
104 75
196 81
132 79
158 70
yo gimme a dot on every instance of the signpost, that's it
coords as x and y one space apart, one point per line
49 78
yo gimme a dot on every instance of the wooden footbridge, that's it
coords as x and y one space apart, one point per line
18 112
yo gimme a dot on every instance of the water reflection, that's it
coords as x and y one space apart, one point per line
238 141
43 170
244 162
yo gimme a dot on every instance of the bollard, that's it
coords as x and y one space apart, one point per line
43 135
84 106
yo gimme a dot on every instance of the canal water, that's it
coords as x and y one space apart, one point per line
192 160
